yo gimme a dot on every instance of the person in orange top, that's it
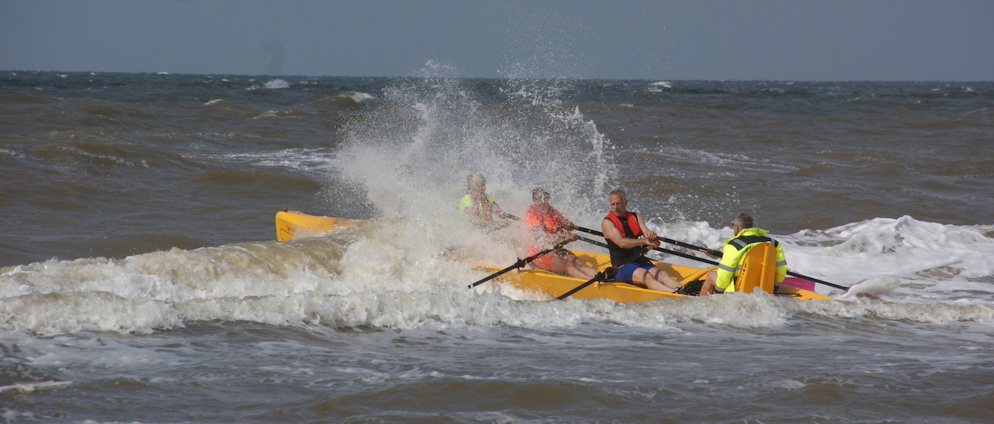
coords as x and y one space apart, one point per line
546 227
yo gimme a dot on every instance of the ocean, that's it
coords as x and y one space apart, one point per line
141 280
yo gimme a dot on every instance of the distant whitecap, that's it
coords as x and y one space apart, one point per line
276 84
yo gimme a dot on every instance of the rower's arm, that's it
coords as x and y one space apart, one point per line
611 233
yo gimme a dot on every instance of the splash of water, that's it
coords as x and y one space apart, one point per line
411 156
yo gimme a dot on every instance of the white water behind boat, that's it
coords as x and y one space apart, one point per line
176 293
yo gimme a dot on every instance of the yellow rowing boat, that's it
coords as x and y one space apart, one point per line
290 224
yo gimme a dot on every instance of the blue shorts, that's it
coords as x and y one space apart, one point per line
625 272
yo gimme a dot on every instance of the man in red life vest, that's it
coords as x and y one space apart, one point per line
626 234
545 227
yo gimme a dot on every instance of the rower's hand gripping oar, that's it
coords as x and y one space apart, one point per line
714 253
603 275
520 263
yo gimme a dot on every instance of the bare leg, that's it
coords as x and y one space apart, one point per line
643 276
708 286
664 279
571 266
579 269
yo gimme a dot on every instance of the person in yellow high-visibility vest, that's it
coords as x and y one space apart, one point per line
479 207
722 280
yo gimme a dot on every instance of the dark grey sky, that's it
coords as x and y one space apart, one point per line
950 40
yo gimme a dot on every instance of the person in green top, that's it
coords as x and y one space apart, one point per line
479 207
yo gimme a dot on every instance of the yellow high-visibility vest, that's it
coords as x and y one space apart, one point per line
467 201
735 250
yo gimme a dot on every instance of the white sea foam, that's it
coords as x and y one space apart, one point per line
23 388
659 86
924 255
304 160
719 160
358 97
276 84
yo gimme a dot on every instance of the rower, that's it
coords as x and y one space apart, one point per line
479 207
728 277
626 233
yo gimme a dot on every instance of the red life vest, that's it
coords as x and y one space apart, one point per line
630 229
551 222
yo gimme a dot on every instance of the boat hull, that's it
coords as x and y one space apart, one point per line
554 285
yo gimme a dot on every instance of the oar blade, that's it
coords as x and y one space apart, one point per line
872 287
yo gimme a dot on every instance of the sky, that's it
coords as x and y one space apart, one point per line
828 40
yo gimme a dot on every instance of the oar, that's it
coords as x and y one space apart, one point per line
658 249
520 263
601 276
714 253
794 274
